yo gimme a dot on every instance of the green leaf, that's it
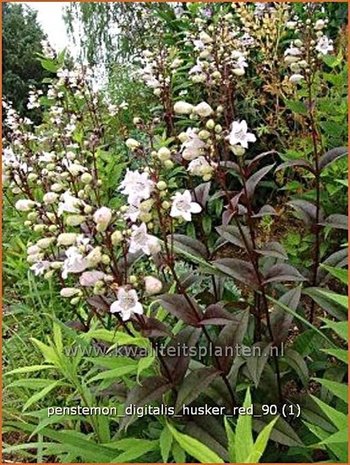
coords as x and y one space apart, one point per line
165 442
340 354
338 389
39 395
296 361
231 441
133 449
28 369
338 419
339 327
195 448
115 374
296 106
261 443
243 433
338 273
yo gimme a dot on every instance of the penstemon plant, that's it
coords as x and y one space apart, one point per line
155 236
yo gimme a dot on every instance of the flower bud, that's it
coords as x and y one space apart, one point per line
164 154
69 292
39 228
102 218
183 108
168 164
132 144
203 134
57 187
161 185
105 259
132 279
50 197
210 124
74 220
238 150
86 178
24 205
203 110
94 257
66 238
116 237
45 242
166 205
152 285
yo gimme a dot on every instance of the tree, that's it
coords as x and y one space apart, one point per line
22 36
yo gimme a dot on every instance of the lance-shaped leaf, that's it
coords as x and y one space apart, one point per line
208 430
256 362
232 234
202 193
328 301
152 389
336 221
189 245
273 249
238 269
254 180
280 319
306 211
252 164
193 385
296 163
180 345
230 337
215 314
282 272
265 210
98 303
179 306
151 327
332 155
297 363
337 259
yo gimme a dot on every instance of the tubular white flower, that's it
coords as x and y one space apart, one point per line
137 186
193 146
324 45
127 304
239 134
182 206
141 240
74 263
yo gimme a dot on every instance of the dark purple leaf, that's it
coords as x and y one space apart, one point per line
331 156
98 303
215 314
209 431
230 337
202 193
254 180
180 345
273 249
280 319
232 234
306 211
189 245
257 361
296 163
282 272
251 164
337 259
238 269
151 327
336 221
179 306
152 389
266 210
194 383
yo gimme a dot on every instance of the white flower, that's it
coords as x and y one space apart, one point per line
183 108
102 218
293 51
127 303
296 78
90 278
193 146
74 263
40 267
152 285
324 45
132 213
205 38
203 109
239 134
141 240
182 206
24 205
137 186
69 204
